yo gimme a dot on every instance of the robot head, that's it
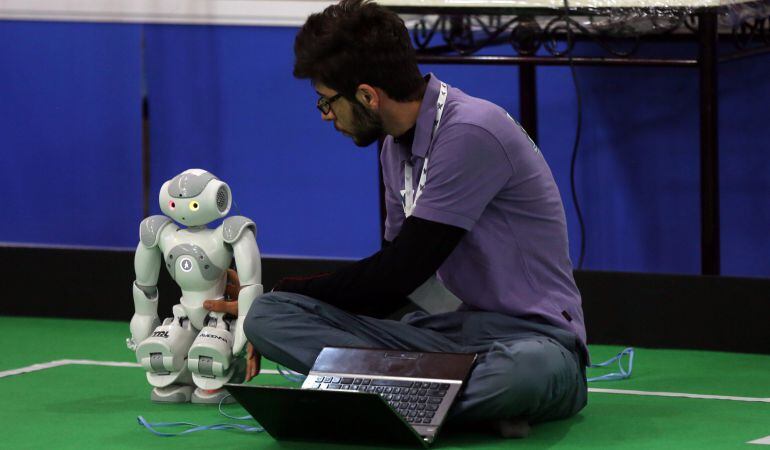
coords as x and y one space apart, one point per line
195 197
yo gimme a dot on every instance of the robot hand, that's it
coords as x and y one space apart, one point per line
145 319
141 327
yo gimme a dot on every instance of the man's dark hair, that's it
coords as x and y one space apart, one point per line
355 42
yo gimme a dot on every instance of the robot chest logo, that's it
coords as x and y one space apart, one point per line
186 264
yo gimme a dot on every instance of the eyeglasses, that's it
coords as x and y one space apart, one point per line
325 104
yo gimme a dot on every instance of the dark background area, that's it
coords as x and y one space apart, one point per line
647 310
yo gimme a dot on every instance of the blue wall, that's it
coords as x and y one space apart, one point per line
69 122
222 98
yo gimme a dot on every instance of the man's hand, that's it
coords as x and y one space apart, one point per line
230 306
253 362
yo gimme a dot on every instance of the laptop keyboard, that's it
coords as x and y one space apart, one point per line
416 401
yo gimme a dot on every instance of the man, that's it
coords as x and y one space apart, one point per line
469 198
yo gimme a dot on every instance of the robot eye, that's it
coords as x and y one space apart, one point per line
194 206
171 204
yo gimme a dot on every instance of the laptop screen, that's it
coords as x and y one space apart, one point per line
447 366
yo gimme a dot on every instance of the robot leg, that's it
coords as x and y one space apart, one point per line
163 357
211 360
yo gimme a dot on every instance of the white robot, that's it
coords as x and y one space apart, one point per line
195 348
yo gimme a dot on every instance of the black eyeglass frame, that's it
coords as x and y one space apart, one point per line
325 104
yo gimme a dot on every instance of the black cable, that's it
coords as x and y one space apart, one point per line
570 43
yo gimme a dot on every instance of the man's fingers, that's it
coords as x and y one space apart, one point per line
253 362
232 289
232 277
233 286
222 306
252 368
232 292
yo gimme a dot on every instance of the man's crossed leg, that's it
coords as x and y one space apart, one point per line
523 374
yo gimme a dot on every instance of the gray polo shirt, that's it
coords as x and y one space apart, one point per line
486 176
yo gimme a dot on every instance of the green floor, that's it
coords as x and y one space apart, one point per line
90 407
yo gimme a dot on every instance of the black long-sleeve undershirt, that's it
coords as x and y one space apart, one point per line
379 284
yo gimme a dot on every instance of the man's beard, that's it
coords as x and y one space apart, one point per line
367 126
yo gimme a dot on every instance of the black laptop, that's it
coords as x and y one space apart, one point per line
363 396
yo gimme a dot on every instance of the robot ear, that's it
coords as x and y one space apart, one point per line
163 199
224 198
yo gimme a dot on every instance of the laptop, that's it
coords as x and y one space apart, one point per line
364 396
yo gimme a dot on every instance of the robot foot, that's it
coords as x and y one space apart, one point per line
211 396
174 393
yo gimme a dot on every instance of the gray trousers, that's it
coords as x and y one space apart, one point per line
524 370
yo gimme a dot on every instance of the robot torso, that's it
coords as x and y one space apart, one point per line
197 259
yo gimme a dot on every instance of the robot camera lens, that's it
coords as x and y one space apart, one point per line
171 205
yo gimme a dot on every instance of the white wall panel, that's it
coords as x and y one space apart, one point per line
226 12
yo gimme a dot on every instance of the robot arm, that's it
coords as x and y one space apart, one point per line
147 261
240 233
145 292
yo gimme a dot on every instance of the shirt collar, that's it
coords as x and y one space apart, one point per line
425 117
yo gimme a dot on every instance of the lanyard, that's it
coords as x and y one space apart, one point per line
409 196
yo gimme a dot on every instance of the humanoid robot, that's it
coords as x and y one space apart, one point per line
192 354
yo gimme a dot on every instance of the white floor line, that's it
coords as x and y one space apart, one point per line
679 394
85 362
65 362
763 441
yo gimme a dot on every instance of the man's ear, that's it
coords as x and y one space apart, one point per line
368 96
